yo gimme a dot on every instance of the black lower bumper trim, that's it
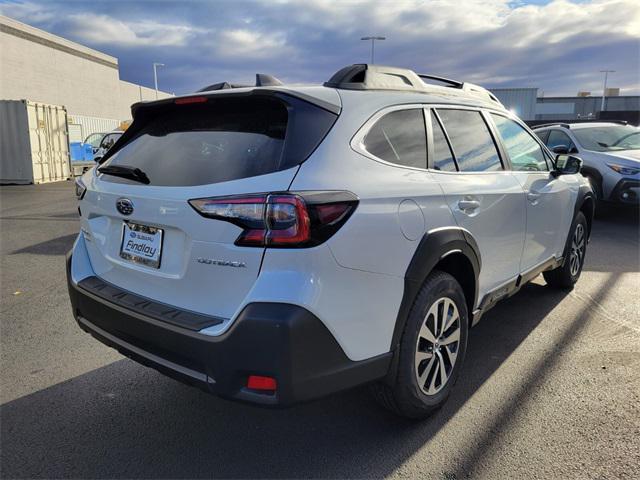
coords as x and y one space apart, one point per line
161 311
283 341
623 192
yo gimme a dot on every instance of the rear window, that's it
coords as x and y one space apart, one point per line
399 137
221 140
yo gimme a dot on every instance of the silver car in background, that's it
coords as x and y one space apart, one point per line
610 152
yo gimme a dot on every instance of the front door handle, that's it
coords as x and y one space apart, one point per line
468 206
533 197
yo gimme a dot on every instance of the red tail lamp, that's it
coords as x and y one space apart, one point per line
256 382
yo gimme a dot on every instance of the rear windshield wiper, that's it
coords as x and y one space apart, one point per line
125 171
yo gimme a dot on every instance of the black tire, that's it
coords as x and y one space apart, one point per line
404 395
566 275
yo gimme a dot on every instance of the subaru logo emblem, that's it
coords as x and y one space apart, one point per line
124 206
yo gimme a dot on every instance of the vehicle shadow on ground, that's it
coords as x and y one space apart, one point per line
179 432
55 246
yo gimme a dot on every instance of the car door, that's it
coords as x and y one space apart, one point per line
485 199
548 198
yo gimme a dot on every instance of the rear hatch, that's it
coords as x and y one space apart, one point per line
143 234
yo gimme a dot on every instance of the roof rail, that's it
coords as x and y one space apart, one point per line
362 76
451 83
262 80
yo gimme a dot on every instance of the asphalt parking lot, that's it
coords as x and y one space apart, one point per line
550 387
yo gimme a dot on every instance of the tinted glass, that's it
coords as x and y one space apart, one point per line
109 140
525 153
558 137
471 141
399 137
542 135
224 139
442 156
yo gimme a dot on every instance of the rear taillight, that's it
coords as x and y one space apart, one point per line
294 220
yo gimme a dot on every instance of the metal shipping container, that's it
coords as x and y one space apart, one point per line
81 126
34 146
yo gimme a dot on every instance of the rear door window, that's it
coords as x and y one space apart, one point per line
399 137
224 139
473 146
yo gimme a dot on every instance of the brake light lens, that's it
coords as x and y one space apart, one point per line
281 220
257 382
189 100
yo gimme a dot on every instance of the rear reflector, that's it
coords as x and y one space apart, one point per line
256 382
189 100
281 220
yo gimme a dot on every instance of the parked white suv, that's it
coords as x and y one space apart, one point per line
274 244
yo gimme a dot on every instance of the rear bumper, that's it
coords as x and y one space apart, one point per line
278 340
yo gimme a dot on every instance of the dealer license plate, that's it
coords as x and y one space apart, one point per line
141 244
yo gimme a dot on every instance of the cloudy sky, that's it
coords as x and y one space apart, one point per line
558 46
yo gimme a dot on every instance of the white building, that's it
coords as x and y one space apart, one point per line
38 66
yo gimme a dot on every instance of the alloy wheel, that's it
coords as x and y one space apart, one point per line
577 250
437 346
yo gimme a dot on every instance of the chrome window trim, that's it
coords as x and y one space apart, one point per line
357 141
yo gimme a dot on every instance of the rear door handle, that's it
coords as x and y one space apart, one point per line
468 206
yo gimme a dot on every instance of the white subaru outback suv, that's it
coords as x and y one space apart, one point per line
275 244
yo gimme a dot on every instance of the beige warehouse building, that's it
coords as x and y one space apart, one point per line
38 66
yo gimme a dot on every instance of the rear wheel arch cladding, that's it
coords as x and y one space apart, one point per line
434 246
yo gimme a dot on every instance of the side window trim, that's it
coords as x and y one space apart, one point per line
446 136
427 114
497 141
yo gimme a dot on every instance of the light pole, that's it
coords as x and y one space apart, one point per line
373 40
155 75
604 88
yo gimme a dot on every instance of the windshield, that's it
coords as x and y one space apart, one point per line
608 138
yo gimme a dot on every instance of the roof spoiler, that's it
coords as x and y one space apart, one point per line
262 80
378 77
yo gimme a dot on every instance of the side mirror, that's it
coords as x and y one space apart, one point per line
567 165
560 149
